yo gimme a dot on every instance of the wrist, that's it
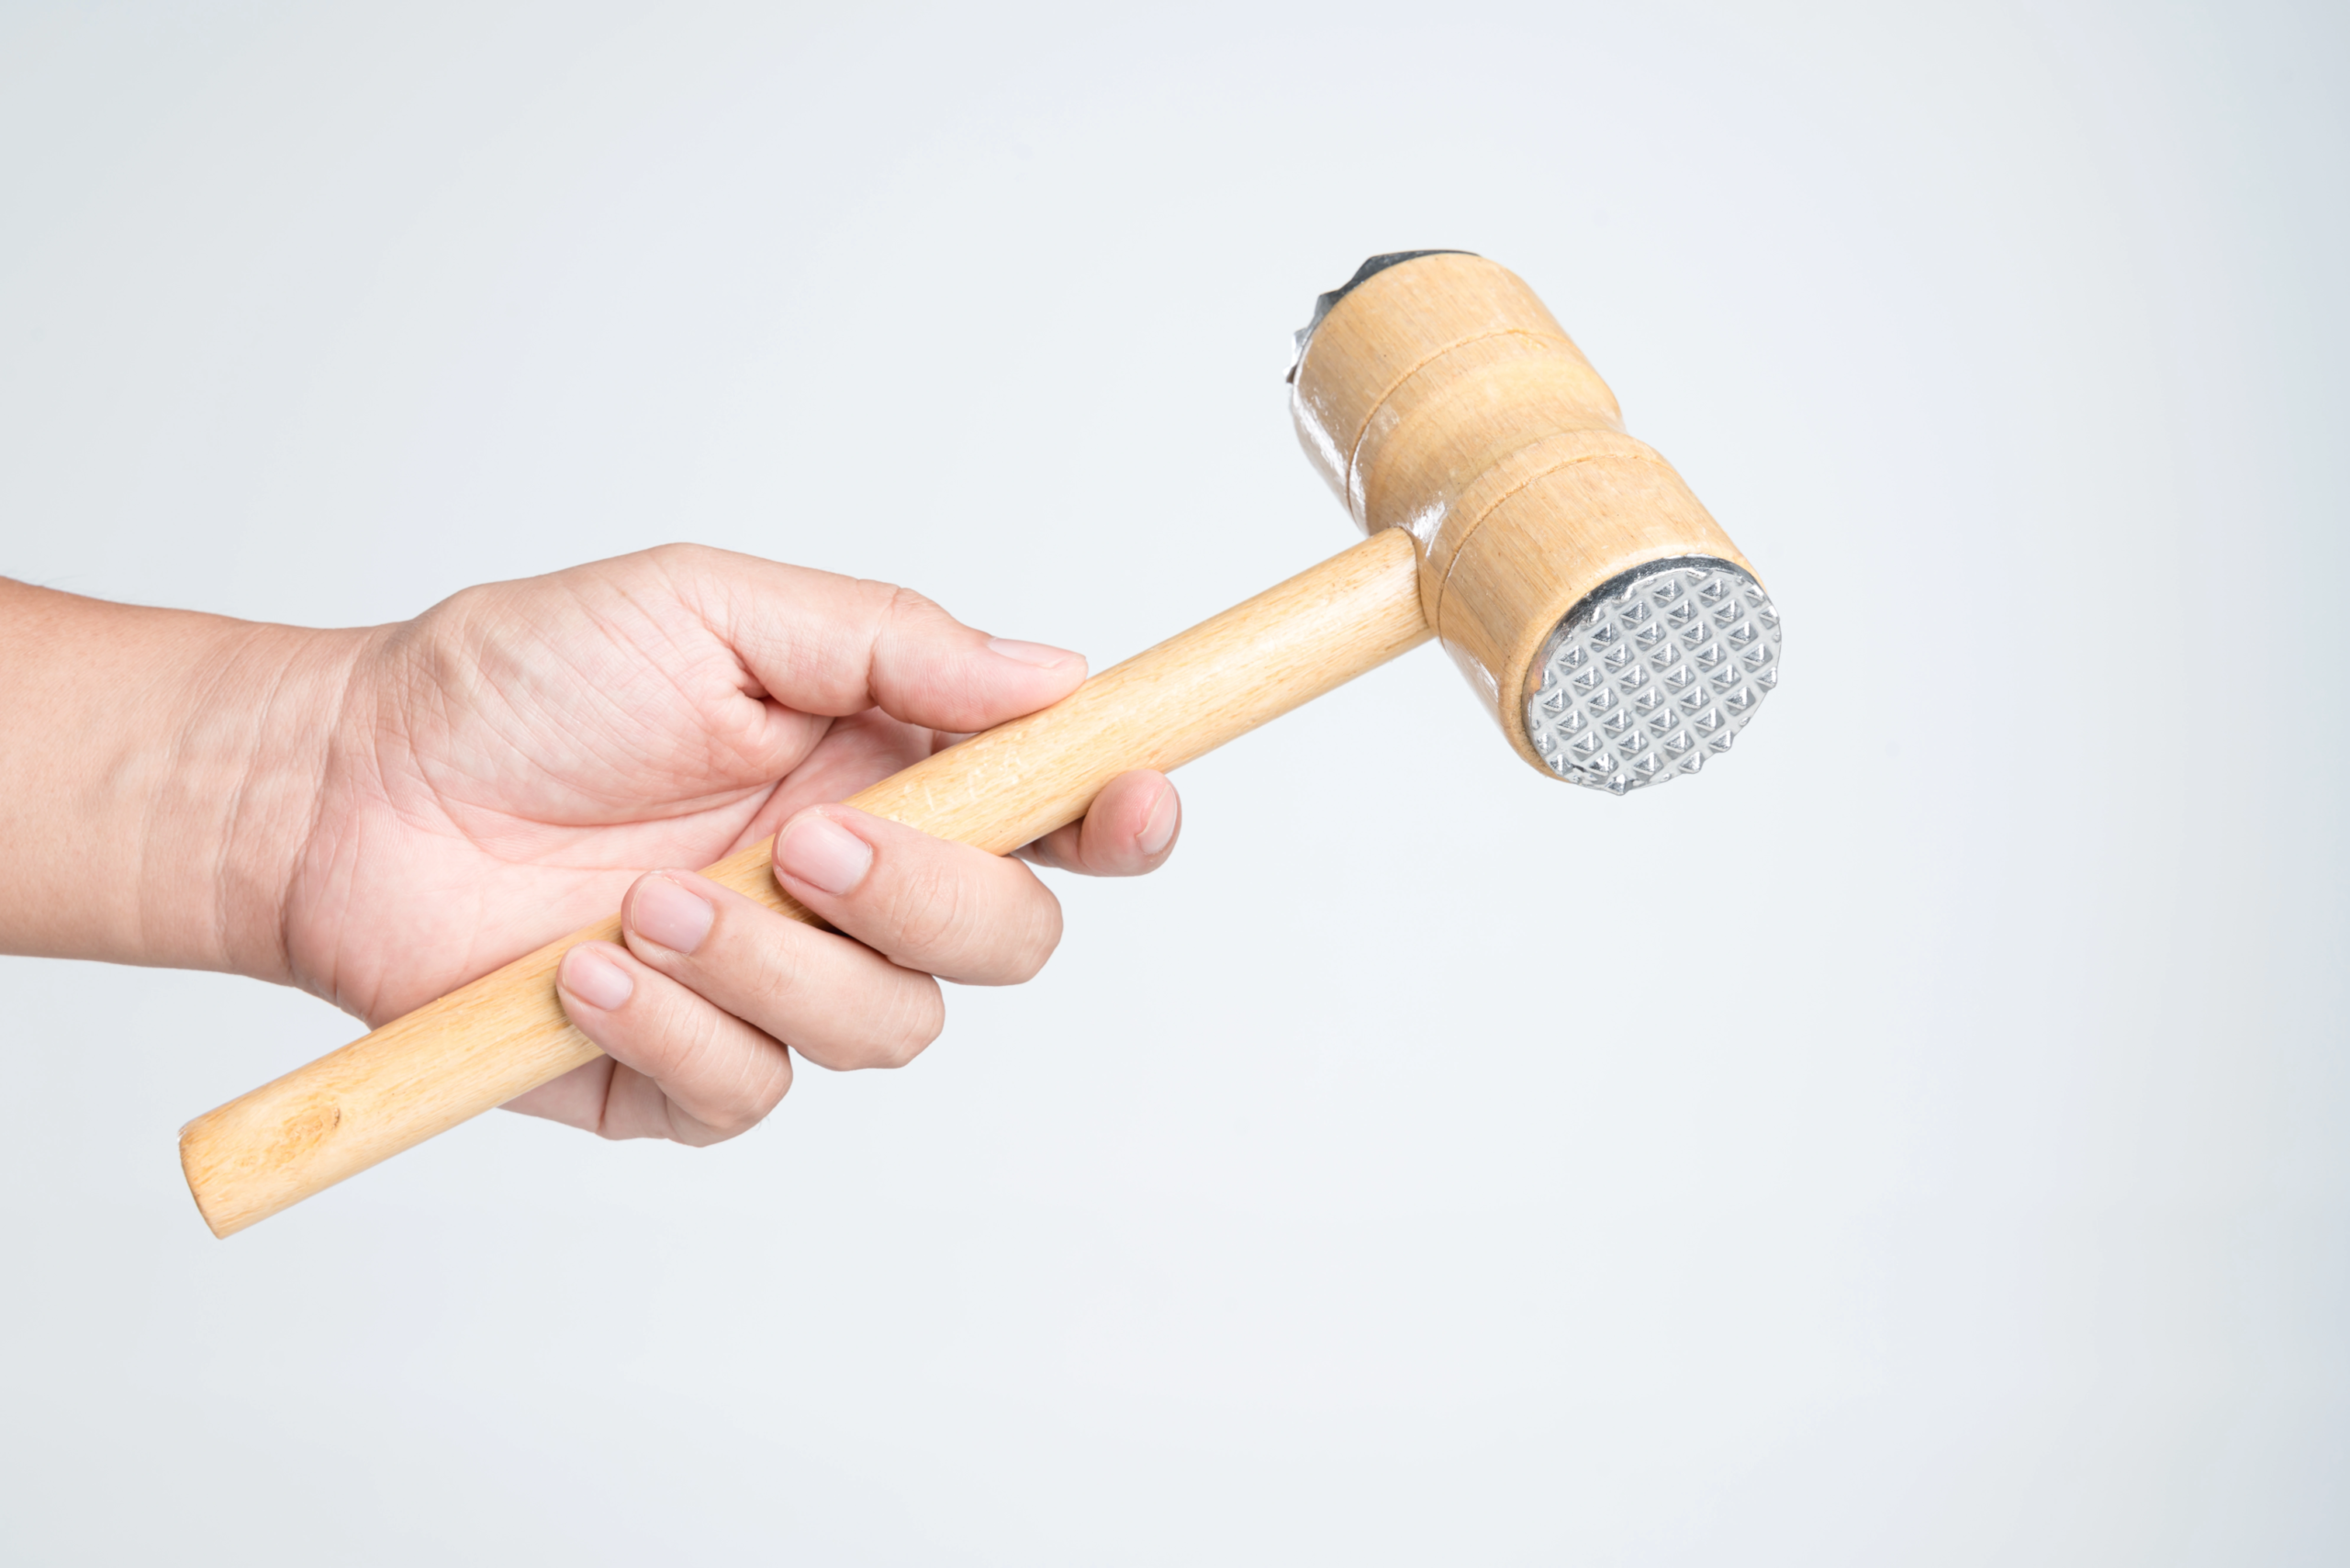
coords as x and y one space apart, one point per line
162 769
244 791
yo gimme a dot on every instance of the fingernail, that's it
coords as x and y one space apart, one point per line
820 852
1035 654
595 979
672 915
1160 829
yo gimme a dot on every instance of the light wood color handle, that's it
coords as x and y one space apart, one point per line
483 1045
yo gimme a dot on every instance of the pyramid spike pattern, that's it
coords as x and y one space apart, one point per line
1655 672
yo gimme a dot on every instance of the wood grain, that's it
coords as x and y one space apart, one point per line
505 1033
1442 399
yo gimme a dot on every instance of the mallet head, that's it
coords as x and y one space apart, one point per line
1607 620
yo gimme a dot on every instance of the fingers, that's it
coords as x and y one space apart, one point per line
1130 829
829 644
696 1012
957 911
840 1005
682 1068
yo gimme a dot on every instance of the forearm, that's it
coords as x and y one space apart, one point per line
158 771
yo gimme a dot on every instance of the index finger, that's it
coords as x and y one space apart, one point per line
825 644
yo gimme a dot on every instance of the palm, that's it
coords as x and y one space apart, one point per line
514 759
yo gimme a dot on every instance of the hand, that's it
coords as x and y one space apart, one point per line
523 757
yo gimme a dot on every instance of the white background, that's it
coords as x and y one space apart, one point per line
1923 1139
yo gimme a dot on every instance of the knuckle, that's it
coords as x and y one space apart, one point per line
1035 943
744 1105
909 1027
890 609
679 554
921 1022
777 983
929 912
686 1128
890 1055
904 604
721 1125
940 922
685 1047
736 1120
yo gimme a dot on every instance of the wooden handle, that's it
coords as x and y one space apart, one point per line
481 1046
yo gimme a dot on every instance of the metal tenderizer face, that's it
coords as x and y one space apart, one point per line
1655 671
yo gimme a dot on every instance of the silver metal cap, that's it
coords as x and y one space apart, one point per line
1653 673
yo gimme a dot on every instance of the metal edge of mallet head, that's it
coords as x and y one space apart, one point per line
1651 670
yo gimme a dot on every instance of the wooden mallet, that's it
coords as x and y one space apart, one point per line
1600 614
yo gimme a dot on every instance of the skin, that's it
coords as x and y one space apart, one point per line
380 815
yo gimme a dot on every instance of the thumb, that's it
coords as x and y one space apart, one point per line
825 644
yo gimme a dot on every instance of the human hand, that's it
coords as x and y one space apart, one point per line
526 755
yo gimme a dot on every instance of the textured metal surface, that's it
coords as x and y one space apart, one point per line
1653 673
